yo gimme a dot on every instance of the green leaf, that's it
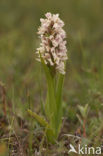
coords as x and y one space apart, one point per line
81 109
59 90
47 112
59 101
53 106
80 120
51 100
49 131
50 135
84 110
38 118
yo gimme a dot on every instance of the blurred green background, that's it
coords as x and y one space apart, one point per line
22 75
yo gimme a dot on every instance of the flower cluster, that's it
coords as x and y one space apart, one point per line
53 45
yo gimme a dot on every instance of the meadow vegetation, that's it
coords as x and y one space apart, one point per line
23 84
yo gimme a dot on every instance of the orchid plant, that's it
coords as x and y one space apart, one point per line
52 54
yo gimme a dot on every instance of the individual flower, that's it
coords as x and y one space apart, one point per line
53 45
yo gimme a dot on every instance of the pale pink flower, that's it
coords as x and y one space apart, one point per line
53 45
